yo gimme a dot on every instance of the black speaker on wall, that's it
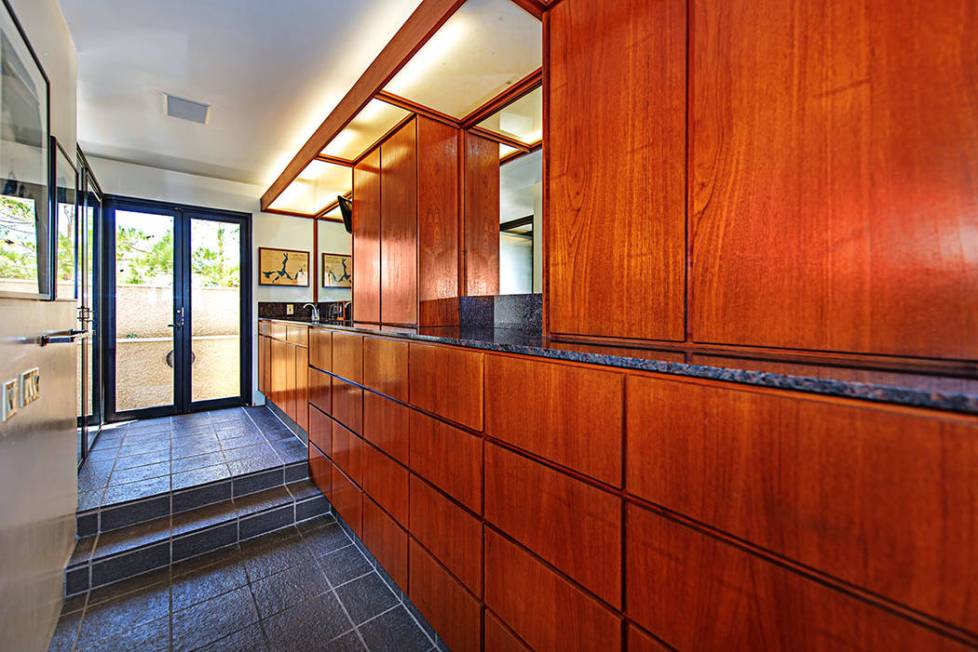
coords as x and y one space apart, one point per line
346 208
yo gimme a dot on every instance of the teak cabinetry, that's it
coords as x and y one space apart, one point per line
534 511
771 176
405 218
283 361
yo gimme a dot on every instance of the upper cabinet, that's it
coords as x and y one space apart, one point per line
616 147
834 176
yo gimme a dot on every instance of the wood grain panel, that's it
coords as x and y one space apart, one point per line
349 453
399 227
544 609
289 396
320 392
263 326
320 471
449 458
348 356
280 353
617 92
438 222
321 349
454 614
850 225
387 541
449 532
386 424
321 430
566 413
262 365
582 536
277 330
385 366
302 387
298 335
387 483
882 498
639 641
447 382
498 638
439 312
348 501
697 593
366 238
347 404
481 217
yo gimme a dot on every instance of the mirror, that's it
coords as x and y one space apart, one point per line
334 258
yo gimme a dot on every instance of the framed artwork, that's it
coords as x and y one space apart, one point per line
26 163
337 271
285 267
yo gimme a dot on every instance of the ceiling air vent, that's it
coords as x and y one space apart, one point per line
178 107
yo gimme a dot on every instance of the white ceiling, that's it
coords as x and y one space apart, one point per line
271 70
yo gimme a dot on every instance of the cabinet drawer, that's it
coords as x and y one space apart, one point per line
571 415
454 614
582 535
449 532
348 501
386 540
298 335
447 382
321 430
348 452
386 424
545 610
699 593
320 393
321 472
385 366
277 330
347 402
387 483
883 498
449 458
348 356
302 387
500 639
320 349
639 641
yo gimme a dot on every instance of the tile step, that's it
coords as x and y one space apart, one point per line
111 556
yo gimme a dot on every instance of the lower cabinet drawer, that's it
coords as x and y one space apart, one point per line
448 382
297 334
571 524
321 472
321 430
449 608
277 330
348 452
386 540
348 501
385 424
387 482
448 531
319 390
547 611
639 641
698 593
500 639
448 458
347 404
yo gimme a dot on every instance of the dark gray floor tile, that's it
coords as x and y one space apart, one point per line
344 565
278 432
197 543
254 482
254 451
86 524
303 489
231 439
214 619
297 471
262 500
253 465
73 604
77 580
273 553
394 630
90 499
366 597
120 493
197 462
181 438
322 536
83 551
200 476
267 521
311 508
94 475
152 636
156 580
249 639
290 451
288 588
65 633
196 581
141 459
308 625
192 447
105 619
199 496
143 510
203 517
349 642
136 445
129 564
149 424
135 536
139 473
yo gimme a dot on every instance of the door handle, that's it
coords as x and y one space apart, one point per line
64 337
178 322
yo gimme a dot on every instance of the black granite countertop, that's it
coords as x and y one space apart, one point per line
941 393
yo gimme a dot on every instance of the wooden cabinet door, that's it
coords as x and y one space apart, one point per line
366 238
437 210
348 356
279 372
268 363
450 609
290 388
262 365
302 387
448 382
833 196
385 366
481 216
617 168
399 227
386 540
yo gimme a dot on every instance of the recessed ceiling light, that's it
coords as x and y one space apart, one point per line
184 109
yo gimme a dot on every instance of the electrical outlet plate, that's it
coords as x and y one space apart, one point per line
289 309
9 406
30 386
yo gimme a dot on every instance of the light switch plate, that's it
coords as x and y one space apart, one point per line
289 309
30 386
9 405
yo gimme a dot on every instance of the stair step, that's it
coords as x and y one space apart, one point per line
112 556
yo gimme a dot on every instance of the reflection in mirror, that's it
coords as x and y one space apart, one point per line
334 259
520 224
521 120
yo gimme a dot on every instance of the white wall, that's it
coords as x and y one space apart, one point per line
38 482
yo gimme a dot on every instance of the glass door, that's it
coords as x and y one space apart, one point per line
87 235
177 326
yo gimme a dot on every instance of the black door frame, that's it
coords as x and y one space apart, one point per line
88 189
182 378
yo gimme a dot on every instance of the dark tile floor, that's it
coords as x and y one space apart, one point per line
306 587
154 456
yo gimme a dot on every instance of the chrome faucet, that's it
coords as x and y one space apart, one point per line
315 310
